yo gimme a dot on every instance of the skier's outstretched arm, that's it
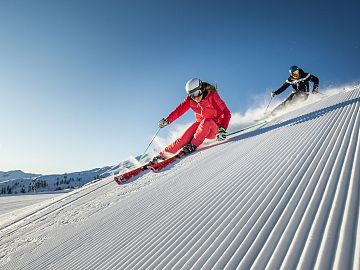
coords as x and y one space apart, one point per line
182 108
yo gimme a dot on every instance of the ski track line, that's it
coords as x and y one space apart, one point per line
293 215
329 243
287 177
297 245
311 249
283 196
261 243
302 205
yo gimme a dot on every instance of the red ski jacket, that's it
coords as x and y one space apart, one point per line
212 106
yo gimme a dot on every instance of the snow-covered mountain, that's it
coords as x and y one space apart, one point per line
17 174
18 182
285 196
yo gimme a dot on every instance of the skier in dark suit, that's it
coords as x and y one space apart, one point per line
299 80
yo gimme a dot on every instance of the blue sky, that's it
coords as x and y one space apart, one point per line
84 83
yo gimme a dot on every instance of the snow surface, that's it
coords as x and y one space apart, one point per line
14 202
285 196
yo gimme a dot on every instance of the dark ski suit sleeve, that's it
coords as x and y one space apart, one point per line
282 88
315 81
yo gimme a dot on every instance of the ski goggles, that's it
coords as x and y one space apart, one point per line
295 73
196 92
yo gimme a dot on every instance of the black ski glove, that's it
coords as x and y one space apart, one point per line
163 123
221 135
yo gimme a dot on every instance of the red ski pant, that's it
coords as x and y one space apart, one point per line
195 134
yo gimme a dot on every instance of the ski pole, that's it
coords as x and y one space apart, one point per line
149 144
268 105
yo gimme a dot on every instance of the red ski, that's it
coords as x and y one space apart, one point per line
122 178
162 164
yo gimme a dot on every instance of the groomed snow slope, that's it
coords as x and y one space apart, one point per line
285 196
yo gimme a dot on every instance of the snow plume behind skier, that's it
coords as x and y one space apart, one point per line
212 119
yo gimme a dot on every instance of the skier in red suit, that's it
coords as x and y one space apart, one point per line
212 119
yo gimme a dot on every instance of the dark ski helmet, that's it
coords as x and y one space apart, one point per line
194 87
293 68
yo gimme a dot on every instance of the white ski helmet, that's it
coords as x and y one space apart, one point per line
194 87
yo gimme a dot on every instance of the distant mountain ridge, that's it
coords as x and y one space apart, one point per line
17 182
15 174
